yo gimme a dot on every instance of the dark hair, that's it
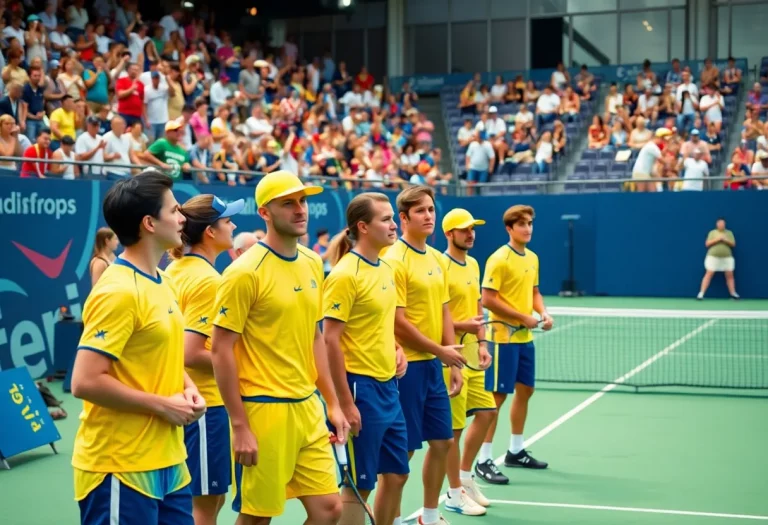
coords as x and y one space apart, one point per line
200 214
360 209
321 232
130 200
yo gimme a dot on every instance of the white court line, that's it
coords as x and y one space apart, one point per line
594 397
633 509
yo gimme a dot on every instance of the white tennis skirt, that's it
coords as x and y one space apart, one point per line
719 264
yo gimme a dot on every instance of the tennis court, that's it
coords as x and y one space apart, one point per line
666 455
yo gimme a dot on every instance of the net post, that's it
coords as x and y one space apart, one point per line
569 287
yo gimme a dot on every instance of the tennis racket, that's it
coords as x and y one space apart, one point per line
366 516
496 332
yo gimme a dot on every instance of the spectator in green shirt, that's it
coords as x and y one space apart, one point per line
167 153
720 243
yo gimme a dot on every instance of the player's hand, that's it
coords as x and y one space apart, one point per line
244 446
457 382
530 322
401 361
484 357
472 326
193 397
352 414
339 422
548 322
451 355
177 410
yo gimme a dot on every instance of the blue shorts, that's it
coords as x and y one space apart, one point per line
382 445
209 453
425 402
512 363
114 503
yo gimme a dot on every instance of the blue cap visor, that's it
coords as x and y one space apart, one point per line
227 209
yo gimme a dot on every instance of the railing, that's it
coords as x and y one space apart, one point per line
463 189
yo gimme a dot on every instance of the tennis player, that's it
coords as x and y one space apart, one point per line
359 328
129 371
511 293
424 328
463 273
269 358
207 232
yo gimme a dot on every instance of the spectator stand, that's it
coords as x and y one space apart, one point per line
516 167
599 169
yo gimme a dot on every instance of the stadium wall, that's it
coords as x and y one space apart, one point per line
625 245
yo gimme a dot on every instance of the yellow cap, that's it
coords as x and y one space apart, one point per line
279 184
663 132
458 219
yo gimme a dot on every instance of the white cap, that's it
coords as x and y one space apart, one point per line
493 109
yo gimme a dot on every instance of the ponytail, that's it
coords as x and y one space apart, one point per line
340 245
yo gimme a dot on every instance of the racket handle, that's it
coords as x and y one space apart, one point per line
341 453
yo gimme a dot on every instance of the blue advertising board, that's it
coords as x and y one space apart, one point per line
433 84
626 244
26 423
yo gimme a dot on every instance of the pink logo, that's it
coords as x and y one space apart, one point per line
51 267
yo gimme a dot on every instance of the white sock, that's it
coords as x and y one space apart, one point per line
430 516
397 521
516 443
486 451
465 476
454 493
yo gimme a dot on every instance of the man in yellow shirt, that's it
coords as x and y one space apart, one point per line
360 300
463 274
269 359
511 293
129 455
424 328
63 120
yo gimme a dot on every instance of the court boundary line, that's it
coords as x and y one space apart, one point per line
632 509
590 400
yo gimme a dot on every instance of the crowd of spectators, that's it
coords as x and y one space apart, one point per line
107 88
694 111
110 90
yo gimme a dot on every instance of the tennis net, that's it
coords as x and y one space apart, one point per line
653 348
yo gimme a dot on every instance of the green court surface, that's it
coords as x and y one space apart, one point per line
668 455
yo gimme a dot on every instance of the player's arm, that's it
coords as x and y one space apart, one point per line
332 331
339 291
449 336
109 320
198 322
234 298
324 384
225 372
538 304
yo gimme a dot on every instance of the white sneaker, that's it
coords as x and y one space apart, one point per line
473 491
441 521
464 505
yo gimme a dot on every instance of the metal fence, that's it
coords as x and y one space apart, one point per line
456 187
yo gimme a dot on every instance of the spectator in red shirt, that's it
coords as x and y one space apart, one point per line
364 80
130 96
39 150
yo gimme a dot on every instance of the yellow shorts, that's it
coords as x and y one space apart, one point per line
472 398
295 457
